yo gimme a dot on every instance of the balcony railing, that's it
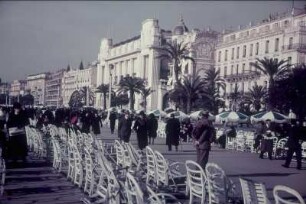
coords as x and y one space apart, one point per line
242 76
297 46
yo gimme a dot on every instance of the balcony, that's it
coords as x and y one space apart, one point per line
295 47
250 75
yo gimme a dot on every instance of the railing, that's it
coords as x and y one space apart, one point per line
296 46
248 75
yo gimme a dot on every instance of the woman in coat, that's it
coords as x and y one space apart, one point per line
141 129
173 129
96 122
152 128
124 127
17 142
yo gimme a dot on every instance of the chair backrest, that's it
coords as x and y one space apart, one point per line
133 191
253 192
151 164
162 169
196 179
280 189
119 153
304 150
216 179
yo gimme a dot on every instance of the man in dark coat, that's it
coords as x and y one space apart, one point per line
86 122
124 127
152 128
294 145
173 129
17 143
96 123
203 136
141 129
112 121
267 141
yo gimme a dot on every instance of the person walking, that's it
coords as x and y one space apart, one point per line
17 142
86 122
294 145
267 141
124 127
152 128
141 129
259 132
112 121
173 129
203 136
96 123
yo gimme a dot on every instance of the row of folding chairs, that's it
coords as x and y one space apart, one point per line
2 174
36 141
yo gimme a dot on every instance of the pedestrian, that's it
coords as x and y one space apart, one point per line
141 129
203 136
125 127
96 123
112 121
86 122
172 132
17 142
152 128
267 140
294 145
259 132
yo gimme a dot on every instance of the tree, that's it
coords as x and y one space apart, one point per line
131 85
75 100
68 68
290 92
87 94
273 69
145 92
235 98
81 67
211 96
27 99
103 89
257 96
176 53
120 99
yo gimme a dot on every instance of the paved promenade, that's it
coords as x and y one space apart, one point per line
36 182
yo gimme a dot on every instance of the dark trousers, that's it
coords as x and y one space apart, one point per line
170 147
298 153
202 157
269 154
112 126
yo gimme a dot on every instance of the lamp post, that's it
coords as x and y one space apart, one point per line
110 85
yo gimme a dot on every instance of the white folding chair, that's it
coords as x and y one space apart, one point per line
280 189
196 182
151 163
253 192
133 191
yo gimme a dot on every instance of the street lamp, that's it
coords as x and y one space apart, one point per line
111 67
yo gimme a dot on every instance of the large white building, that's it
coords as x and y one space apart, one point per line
282 36
74 80
54 89
36 85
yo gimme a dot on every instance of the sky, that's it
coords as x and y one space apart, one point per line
39 36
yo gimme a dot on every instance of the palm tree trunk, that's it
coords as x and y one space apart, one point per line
104 101
270 102
132 101
188 105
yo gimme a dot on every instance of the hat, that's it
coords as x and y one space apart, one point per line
16 105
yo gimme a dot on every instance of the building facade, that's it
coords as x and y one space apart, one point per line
54 89
74 80
4 88
282 36
36 85
18 87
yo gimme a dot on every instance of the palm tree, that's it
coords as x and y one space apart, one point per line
235 97
145 92
257 94
273 69
104 89
189 91
176 52
214 82
132 85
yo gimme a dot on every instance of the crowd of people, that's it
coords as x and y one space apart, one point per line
89 120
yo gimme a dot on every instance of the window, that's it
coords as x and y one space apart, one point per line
232 69
244 51
251 49
267 46
257 49
276 44
237 69
237 53
289 60
231 87
290 43
242 87
250 66
233 53
243 67
225 56
186 69
225 71
219 56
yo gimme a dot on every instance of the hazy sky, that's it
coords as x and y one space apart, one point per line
43 36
